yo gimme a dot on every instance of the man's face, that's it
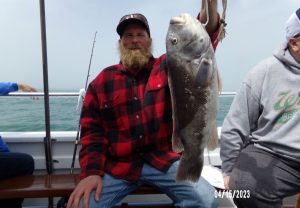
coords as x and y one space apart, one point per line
294 46
135 47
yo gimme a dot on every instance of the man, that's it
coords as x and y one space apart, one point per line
126 126
260 138
13 163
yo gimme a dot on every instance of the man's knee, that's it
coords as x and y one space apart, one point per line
249 192
27 163
239 183
200 195
194 201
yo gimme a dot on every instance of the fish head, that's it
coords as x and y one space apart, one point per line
187 37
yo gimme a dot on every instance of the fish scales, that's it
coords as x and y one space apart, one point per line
194 82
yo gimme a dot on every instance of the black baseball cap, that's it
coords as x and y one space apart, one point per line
132 18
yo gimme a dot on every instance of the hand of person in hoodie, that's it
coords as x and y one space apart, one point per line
226 181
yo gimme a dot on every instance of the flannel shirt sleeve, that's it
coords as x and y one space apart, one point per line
93 141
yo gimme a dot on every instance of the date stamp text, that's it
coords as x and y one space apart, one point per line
239 194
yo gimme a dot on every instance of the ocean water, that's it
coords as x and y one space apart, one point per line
27 114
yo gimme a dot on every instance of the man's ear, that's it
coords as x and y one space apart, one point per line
293 44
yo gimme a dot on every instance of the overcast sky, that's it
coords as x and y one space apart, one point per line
255 28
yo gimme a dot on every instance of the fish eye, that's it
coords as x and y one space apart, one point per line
174 41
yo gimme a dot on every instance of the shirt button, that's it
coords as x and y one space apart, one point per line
158 85
135 98
141 136
137 117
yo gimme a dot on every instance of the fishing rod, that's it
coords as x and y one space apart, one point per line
79 126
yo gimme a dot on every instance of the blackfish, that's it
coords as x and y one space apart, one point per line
195 85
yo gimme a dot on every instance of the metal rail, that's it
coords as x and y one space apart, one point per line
38 94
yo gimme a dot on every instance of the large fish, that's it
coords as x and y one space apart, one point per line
194 85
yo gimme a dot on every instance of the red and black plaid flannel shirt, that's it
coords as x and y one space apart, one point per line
127 121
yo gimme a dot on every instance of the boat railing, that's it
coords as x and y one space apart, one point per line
30 94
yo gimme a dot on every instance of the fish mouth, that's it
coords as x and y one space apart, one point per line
179 20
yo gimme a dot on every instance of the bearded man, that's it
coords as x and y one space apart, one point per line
126 126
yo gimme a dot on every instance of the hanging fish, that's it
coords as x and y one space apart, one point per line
194 85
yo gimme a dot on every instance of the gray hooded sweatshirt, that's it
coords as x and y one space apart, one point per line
266 111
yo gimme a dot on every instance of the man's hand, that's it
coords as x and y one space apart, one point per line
26 88
213 22
226 181
84 189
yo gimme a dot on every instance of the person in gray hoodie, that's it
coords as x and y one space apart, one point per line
260 137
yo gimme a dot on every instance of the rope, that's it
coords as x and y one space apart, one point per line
207 14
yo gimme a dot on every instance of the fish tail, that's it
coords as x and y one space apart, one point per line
213 139
189 169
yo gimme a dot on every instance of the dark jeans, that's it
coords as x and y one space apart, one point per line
14 164
268 178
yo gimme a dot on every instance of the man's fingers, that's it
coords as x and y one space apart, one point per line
98 192
83 191
74 199
70 201
226 181
86 199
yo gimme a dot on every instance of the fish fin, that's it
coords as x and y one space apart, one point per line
204 74
189 168
177 145
213 140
